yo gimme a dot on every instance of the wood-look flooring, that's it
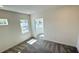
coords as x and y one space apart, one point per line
42 46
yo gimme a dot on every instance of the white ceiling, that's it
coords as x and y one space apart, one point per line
28 9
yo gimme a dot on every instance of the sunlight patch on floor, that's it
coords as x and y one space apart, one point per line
32 41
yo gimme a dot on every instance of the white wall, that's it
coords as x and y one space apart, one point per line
11 35
61 24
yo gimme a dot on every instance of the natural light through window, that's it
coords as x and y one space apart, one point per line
3 22
24 26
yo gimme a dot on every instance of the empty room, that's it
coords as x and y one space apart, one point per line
39 29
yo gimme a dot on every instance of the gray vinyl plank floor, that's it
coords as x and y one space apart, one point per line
42 46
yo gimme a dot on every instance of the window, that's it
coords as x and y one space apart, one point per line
3 22
24 26
39 25
39 28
